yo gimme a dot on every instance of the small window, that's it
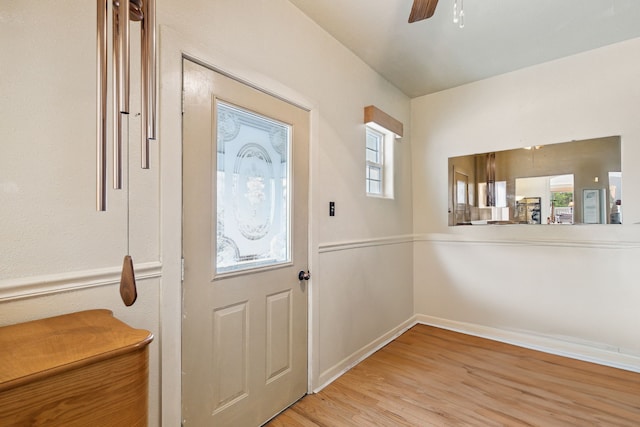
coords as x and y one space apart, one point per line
375 162
381 133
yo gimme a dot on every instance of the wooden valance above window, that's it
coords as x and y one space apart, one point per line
372 114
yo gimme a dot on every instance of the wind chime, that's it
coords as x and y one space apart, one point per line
124 11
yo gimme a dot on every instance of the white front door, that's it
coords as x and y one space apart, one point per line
245 229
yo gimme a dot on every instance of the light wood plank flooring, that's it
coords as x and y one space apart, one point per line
434 377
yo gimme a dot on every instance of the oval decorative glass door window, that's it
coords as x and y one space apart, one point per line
253 191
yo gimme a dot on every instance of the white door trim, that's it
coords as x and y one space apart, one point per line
173 47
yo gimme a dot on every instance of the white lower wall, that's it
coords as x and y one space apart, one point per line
364 297
537 289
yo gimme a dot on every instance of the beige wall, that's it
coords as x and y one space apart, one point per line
60 255
570 285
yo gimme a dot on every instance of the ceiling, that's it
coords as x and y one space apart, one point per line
499 36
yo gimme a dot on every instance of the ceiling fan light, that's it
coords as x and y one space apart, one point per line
455 11
458 13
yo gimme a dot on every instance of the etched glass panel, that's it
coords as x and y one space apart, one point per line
253 200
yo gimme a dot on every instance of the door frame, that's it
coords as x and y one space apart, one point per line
175 46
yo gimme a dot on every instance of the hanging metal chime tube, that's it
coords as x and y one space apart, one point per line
124 11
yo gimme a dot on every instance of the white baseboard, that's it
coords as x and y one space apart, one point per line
337 370
552 345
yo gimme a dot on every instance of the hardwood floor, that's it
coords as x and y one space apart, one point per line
434 377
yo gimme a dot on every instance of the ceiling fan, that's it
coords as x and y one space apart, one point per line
422 9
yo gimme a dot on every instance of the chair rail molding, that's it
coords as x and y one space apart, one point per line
363 243
11 289
478 240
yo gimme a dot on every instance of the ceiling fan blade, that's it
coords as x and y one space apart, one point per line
422 9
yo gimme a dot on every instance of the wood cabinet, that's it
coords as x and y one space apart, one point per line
80 369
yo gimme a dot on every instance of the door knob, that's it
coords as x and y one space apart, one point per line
304 275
